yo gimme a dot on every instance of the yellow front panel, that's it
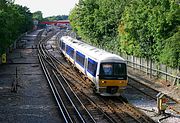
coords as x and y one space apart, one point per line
103 83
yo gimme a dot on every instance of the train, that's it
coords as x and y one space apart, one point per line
106 71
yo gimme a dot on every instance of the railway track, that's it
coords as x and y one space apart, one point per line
75 97
151 93
146 89
71 108
86 88
118 109
143 89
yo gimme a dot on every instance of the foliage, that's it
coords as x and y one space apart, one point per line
14 20
38 15
145 28
53 18
149 26
171 52
97 20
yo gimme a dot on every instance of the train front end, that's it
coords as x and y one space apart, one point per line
112 78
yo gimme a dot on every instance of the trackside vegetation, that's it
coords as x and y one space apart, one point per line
143 28
14 20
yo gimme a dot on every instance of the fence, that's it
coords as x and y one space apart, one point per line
152 68
15 44
11 47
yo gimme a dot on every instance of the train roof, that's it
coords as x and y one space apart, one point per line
93 52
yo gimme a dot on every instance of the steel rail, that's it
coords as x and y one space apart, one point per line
54 93
94 121
45 55
110 119
81 117
143 84
52 62
147 91
51 58
64 112
98 107
66 94
69 98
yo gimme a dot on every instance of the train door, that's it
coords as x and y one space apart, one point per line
85 65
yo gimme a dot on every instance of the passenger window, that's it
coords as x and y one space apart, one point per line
80 58
92 66
63 46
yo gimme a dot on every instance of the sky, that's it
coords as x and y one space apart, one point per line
49 7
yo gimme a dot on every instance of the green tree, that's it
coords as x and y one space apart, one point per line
147 26
14 20
144 28
97 20
38 15
171 53
56 18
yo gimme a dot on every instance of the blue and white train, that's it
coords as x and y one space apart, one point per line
107 71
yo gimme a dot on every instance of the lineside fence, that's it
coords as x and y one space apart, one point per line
152 69
18 43
12 46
